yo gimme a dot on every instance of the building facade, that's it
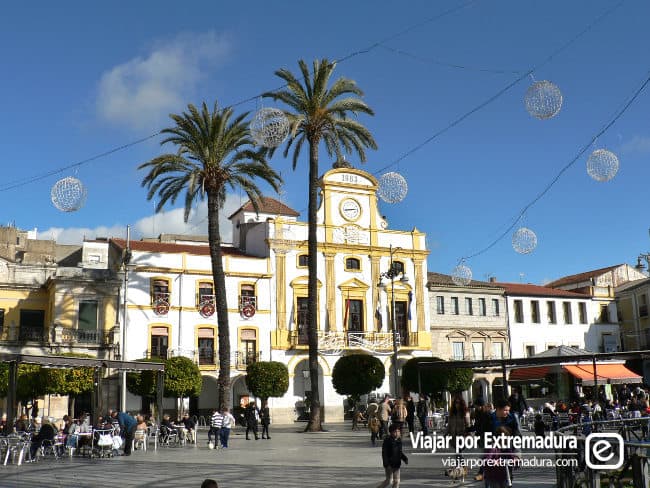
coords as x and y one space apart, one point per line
469 323
170 295
541 318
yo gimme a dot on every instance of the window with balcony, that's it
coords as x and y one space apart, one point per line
440 305
519 311
160 290
401 322
566 309
247 353
352 264
482 309
550 313
159 342
582 312
205 346
454 306
205 293
497 350
303 260
469 309
495 307
354 315
302 319
247 296
534 311
457 351
477 351
87 321
530 351
32 324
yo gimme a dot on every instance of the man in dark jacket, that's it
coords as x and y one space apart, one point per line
518 404
252 415
127 429
392 457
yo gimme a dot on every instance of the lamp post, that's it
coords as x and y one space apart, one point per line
392 274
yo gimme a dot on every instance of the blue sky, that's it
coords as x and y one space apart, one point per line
81 78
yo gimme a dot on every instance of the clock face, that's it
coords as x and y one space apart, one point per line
350 209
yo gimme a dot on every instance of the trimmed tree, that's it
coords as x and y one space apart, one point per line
459 379
182 378
266 379
70 381
357 374
31 382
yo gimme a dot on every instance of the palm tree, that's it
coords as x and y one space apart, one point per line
320 114
215 152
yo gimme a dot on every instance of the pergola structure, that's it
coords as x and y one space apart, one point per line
594 360
72 362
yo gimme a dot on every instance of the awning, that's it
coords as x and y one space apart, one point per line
532 373
605 373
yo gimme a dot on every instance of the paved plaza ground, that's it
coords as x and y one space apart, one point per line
335 458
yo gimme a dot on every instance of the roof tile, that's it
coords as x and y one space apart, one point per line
268 205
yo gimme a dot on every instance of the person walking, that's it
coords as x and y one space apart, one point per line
503 417
265 419
252 419
422 410
228 424
384 415
127 429
392 457
518 404
410 414
459 421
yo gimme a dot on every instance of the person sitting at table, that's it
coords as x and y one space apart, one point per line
167 429
140 435
47 432
190 428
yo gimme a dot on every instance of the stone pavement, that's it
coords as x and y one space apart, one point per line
335 458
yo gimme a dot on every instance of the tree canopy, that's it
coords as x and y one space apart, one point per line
357 374
434 381
266 379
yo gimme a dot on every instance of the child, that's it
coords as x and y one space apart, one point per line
496 471
373 425
539 426
392 456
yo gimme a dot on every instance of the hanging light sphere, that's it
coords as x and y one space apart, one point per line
602 165
392 187
269 127
543 100
461 275
68 194
524 240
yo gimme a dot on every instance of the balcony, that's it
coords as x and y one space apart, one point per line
81 336
155 354
206 305
36 334
207 357
376 342
247 306
244 358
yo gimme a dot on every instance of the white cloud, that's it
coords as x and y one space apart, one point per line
168 222
638 144
142 92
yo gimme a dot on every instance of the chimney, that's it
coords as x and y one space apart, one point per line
493 279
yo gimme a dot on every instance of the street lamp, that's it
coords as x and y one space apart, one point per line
393 273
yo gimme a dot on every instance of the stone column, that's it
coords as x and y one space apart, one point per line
330 292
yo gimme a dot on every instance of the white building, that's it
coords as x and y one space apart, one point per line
170 290
540 318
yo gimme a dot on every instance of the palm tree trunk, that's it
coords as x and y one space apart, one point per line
315 423
218 276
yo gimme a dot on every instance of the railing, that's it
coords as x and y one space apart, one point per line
377 342
243 359
160 297
155 354
247 300
207 357
83 336
187 353
31 333
635 455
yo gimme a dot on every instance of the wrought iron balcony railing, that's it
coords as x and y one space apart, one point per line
378 342
31 334
244 358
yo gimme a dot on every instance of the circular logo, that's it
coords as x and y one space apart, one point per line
207 309
161 308
248 311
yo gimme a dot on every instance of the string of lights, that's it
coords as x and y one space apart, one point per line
32 179
562 171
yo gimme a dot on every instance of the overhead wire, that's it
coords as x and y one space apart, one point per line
32 179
